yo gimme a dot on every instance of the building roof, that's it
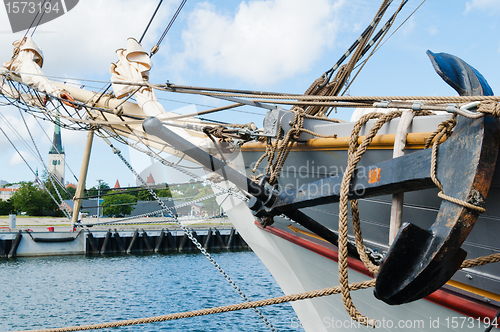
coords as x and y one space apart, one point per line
8 189
150 179
117 185
71 185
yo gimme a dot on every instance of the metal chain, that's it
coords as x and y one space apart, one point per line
181 169
115 222
153 222
192 238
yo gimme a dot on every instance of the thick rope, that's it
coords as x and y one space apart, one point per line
445 129
494 258
281 148
490 107
217 310
355 153
480 261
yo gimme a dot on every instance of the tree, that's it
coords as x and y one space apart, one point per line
163 192
6 207
72 191
210 205
34 201
93 191
118 205
60 189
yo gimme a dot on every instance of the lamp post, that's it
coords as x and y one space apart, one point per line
98 199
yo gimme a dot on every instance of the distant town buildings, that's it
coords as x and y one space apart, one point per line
6 193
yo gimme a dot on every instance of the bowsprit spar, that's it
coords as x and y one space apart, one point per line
147 127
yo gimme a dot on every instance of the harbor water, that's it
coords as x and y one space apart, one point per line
54 292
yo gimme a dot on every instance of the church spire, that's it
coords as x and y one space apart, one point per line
56 154
57 147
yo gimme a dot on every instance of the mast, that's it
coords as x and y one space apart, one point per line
82 178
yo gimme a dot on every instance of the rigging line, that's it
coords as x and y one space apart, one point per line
150 21
402 23
44 165
44 11
53 145
328 74
156 47
383 31
189 234
19 137
31 169
31 25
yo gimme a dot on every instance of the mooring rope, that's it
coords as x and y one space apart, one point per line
494 258
189 234
216 310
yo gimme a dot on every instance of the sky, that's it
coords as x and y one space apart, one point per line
272 45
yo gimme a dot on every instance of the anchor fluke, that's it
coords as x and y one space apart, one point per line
400 281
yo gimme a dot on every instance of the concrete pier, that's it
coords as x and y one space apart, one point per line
25 243
53 236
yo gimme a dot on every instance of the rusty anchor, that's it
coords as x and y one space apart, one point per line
422 260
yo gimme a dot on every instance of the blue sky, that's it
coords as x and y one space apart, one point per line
273 45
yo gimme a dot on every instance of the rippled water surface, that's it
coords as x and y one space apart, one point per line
64 291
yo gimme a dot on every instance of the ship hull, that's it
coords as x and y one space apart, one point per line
301 261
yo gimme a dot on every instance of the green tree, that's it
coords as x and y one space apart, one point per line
72 191
103 188
144 195
209 205
59 188
34 201
6 207
164 192
118 205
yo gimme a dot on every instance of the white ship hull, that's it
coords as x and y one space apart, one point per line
300 261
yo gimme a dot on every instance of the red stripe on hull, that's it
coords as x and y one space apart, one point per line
466 306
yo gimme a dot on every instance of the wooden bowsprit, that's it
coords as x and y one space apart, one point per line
419 261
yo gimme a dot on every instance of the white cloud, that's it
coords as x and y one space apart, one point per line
262 42
490 6
16 158
85 39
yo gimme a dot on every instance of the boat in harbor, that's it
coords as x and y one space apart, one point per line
396 208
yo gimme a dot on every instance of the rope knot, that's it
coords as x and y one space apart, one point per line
490 107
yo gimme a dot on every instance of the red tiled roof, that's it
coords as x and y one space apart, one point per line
150 179
8 189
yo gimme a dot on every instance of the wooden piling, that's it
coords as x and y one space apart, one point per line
171 241
3 254
230 239
183 242
208 239
219 239
119 243
15 244
93 244
134 240
105 244
159 241
147 241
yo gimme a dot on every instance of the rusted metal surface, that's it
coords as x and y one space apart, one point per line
421 261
